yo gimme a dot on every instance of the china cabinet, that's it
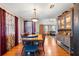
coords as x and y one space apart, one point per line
64 30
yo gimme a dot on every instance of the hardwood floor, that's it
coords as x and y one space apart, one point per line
16 51
50 48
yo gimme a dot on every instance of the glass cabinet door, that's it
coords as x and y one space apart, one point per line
58 24
62 23
68 21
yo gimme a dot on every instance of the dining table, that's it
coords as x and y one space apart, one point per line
34 37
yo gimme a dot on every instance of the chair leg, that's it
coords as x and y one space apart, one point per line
22 53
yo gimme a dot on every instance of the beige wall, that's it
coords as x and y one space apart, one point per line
49 22
20 27
37 27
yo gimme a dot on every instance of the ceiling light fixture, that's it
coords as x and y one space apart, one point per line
34 18
51 6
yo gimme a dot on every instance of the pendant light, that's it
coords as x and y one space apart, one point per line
34 18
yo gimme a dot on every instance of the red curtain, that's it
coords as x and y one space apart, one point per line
2 32
33 27
16 30
25 26
41 29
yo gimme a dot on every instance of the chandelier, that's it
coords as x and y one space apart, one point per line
34 18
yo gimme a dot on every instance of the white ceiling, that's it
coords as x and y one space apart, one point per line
25 10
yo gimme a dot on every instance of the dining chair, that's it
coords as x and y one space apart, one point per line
30 49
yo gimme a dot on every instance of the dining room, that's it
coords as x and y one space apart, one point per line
38 29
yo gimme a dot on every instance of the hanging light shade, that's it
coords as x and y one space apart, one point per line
34 18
